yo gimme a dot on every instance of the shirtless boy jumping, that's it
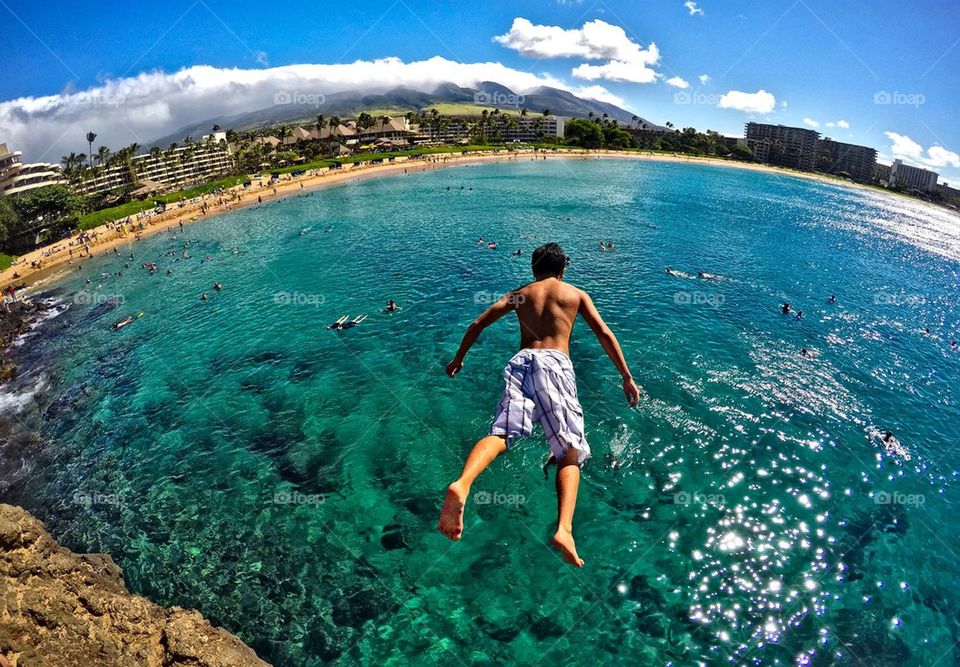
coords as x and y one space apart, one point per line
540 387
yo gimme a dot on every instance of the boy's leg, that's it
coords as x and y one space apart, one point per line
483 454
568 482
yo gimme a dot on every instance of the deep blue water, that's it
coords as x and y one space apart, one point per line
236 457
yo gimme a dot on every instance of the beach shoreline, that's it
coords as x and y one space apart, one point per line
56 264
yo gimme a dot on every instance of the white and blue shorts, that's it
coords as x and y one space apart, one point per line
542 387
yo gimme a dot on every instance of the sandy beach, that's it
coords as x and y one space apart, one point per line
56 258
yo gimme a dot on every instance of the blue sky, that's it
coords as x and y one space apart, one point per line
888 70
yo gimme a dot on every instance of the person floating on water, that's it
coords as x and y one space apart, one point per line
338 323
893 446
391 306
785 308
217 287
540 386
707 276
517 252
346 323
799 314
832 299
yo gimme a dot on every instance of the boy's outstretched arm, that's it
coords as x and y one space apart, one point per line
611 346
504 305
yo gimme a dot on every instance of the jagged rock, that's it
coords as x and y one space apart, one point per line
62 608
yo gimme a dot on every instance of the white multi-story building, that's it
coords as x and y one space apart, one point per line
904 176
180 167
16 177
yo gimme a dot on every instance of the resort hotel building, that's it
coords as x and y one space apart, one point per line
782 146
857 162
17 177
180 167
904 176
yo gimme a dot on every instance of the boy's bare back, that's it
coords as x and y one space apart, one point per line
547 310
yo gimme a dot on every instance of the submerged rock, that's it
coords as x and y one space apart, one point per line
62 608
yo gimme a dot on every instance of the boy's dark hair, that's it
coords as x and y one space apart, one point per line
549 260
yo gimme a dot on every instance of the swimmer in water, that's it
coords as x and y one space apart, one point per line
352 323
799 314
391 306
671 272
893 446
217 286
707 276
492 245
204 297
517 252
832 299
785 308
339 323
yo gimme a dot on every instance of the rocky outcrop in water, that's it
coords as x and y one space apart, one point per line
61 608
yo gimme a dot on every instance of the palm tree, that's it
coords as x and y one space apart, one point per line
334 124
72 165
91 137
321 123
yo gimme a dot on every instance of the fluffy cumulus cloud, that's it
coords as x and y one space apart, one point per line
936 157
758 102
151 105
811 122
596 40
677 82
840 123
692 8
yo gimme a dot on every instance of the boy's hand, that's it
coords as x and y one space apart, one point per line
631 391
454 367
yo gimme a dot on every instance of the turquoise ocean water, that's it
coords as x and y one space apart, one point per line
235 457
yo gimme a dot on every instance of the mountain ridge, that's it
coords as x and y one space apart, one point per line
400 100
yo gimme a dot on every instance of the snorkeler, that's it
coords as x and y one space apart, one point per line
352 323
339 323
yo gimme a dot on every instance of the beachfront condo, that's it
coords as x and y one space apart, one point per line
16 176
783 146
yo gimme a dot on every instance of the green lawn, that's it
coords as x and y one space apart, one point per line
5 261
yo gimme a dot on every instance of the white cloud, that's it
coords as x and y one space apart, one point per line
908 150
677 82
758 102
597 93
596 40
692 8
840 123
150 105
783 104
704 79
811 122
262 58
941 157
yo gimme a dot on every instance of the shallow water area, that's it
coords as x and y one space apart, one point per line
235 456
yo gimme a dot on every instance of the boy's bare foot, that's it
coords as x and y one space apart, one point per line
451 516
563 540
